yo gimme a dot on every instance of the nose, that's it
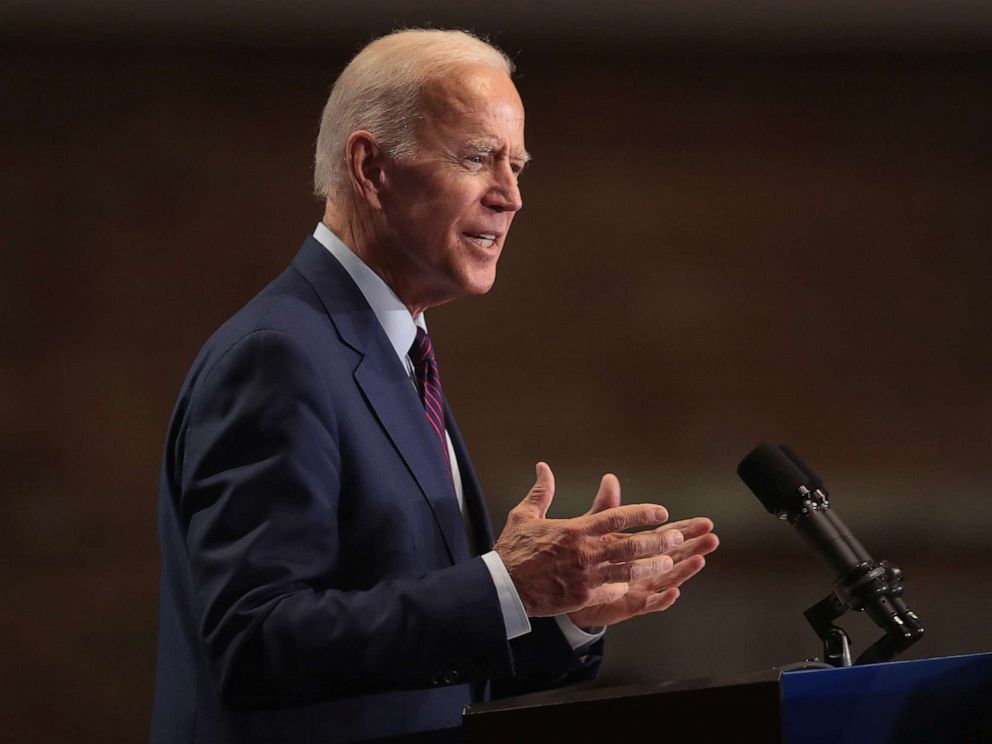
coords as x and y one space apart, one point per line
504 195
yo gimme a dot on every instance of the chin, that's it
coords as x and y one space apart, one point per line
480 283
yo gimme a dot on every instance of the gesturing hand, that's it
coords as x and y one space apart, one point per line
562 565
655 593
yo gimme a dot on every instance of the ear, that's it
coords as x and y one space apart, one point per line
365 159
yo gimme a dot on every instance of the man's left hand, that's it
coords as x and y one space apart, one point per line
655 593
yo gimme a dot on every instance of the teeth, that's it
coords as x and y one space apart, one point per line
485 236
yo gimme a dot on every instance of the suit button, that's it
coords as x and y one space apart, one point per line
452 677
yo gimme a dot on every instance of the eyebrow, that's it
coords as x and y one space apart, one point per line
488 147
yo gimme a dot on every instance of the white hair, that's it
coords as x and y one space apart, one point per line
379 91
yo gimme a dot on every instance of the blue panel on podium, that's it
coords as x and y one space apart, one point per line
930 700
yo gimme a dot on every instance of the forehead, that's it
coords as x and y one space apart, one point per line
471 102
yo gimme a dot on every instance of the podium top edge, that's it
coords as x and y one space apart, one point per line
568 696
584 694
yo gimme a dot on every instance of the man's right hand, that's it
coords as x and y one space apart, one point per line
561 565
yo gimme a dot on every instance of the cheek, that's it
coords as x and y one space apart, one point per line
439 210
459 202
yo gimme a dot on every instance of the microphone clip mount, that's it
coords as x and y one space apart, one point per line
877 590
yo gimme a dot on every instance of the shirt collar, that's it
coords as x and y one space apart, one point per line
392 314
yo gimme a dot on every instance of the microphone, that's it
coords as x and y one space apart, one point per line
792 491
787 491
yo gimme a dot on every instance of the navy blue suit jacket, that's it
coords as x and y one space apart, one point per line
317 580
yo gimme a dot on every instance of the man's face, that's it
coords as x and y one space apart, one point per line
448 209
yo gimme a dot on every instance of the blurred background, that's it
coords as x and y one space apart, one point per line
745 221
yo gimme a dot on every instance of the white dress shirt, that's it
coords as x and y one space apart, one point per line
401 330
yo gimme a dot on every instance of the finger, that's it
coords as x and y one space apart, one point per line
693 527
661 601
620 518
702 545
690 528
609 592
635 571
538 500
679 574
608 495
623 547
686 570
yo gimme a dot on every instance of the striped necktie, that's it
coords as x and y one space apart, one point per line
429 385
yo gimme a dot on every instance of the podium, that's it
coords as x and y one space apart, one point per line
945 700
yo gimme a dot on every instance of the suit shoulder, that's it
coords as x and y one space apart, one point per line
289 308
288 305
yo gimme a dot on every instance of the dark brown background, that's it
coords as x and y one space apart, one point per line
724 241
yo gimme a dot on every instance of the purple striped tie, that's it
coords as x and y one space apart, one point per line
429 385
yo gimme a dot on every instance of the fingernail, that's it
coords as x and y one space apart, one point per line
675 538
661 515
667 564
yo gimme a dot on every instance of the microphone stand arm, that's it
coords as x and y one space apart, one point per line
836 643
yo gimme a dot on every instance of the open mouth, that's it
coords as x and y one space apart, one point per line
483 239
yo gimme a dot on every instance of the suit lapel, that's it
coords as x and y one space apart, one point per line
475 505
387 388
396 404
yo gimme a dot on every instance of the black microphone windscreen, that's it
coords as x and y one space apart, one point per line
772 476
815 481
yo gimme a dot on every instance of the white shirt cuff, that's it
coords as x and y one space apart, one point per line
514 615
576 637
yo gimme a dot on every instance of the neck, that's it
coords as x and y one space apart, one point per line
359 232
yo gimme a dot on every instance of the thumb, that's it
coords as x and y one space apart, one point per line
538 500
608 495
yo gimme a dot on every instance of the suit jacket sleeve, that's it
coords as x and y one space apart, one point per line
543 660
260 479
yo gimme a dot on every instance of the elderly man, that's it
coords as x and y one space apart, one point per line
328 568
